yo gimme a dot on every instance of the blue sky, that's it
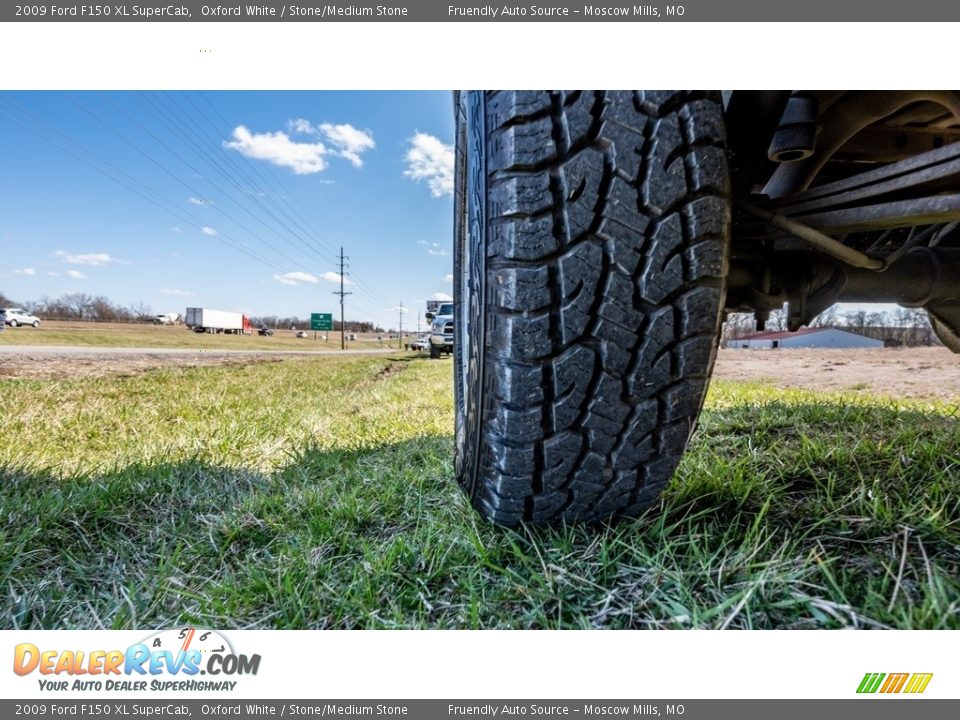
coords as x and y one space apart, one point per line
231 200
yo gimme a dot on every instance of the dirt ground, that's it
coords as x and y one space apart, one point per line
897 372
56 366
927 372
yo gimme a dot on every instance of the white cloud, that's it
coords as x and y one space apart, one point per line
430 159
304 158
435 251
448 278
199 201
331 276
207 230
279 149
301 127
51 273
295 278
442 296
25 271
177 293
76 274
349 141
96 259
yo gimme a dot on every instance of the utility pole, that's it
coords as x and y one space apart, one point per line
341 293
400 334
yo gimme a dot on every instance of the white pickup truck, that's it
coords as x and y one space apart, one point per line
441 330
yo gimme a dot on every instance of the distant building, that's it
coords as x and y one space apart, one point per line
804 338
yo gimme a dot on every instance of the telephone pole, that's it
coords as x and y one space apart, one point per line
400 334
342 294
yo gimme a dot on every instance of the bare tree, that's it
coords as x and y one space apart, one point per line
828 318
777 320
856 320
78 304
140 311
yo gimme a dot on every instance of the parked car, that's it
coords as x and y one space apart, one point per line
302 334
14 317
422 343
170 318
264 331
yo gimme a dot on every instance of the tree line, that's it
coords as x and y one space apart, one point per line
98 308
903 326
82 306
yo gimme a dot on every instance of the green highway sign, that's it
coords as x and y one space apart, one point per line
321 321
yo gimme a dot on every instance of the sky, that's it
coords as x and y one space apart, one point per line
230 200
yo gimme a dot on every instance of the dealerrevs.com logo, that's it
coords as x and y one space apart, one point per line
887 683
169 660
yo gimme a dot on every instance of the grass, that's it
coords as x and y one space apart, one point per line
317 492
93 334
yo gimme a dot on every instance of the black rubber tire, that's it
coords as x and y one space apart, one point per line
36 324
434 352
591 235
14 323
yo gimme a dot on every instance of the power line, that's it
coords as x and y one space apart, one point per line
214 163
400 333
174 175
131 182
285 196
342 294
314 250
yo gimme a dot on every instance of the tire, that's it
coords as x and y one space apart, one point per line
591 234
434 352
14 323
36 324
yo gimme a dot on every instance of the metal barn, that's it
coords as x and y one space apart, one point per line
804 338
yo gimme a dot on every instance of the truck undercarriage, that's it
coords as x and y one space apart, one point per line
601 237
845 197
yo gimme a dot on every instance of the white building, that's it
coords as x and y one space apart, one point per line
805 338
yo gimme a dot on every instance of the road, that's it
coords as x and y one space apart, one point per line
61 350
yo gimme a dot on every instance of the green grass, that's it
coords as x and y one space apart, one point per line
318 493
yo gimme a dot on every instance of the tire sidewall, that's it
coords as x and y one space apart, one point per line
469 283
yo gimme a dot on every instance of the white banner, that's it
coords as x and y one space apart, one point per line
195 662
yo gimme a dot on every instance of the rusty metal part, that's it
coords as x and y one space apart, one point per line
922 277
817 239
925 174
796 134
887 144
883 216
844 118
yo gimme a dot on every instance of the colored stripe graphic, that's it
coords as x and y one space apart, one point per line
870 682
893 683
918 682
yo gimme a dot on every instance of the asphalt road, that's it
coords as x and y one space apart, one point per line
61 350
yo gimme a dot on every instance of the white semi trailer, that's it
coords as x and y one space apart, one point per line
216 321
